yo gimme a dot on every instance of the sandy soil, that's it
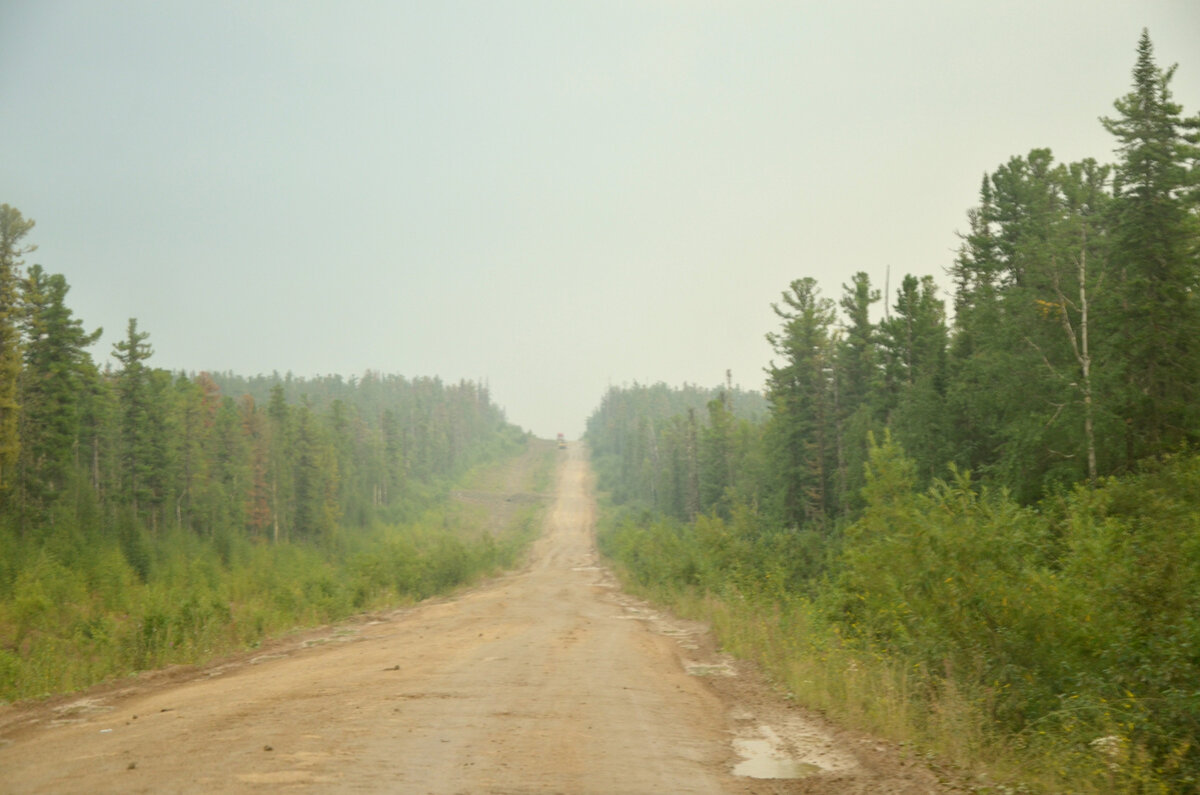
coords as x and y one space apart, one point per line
546 680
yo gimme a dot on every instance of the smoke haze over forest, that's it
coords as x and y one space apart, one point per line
546 197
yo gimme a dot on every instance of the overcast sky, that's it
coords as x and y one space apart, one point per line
549 196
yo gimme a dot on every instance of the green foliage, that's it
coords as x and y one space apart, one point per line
13 228
57 376
650 448
968 622
148 518
1044 608
1133 554
914 343
801 391
1033 277
956 582
76 611
138 449
1154 229
742 555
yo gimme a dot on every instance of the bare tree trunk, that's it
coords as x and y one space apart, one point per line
1085 363
1079 347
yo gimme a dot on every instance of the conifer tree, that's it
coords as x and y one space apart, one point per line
193 418
393 456
1155 262
134 396
717 462
308 483
13 228
231 469
1020 287
799 390
56 376
914 340
258 500
280 468
859 388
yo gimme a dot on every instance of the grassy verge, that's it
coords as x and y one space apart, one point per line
1054 645
79 613
815 665
945 716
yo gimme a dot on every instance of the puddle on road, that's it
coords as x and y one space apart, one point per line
767 756
761 759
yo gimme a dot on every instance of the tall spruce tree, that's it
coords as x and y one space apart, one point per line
57 375
914 341
280 462
1155 306
858 388
799 389
134 396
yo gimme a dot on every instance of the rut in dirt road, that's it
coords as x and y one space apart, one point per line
546 680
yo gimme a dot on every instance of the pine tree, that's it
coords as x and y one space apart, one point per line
280 472
13 228
56 377
799 389
194 418
258 500
915 340
308 483
393 456
717 464
134 396
160 474
231 469
1155 260
859 388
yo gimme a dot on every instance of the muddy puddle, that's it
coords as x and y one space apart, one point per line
761 759
798 750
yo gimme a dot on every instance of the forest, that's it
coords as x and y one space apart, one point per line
968 522
971 523
150 517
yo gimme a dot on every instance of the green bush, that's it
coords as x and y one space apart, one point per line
1066 636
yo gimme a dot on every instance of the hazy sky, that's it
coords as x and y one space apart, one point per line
549 196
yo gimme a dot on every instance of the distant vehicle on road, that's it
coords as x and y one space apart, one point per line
562 442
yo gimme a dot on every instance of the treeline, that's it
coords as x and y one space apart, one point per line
1073 350
270 457
148 516
679 451
995 512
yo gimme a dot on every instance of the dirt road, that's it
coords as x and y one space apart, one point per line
546 680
